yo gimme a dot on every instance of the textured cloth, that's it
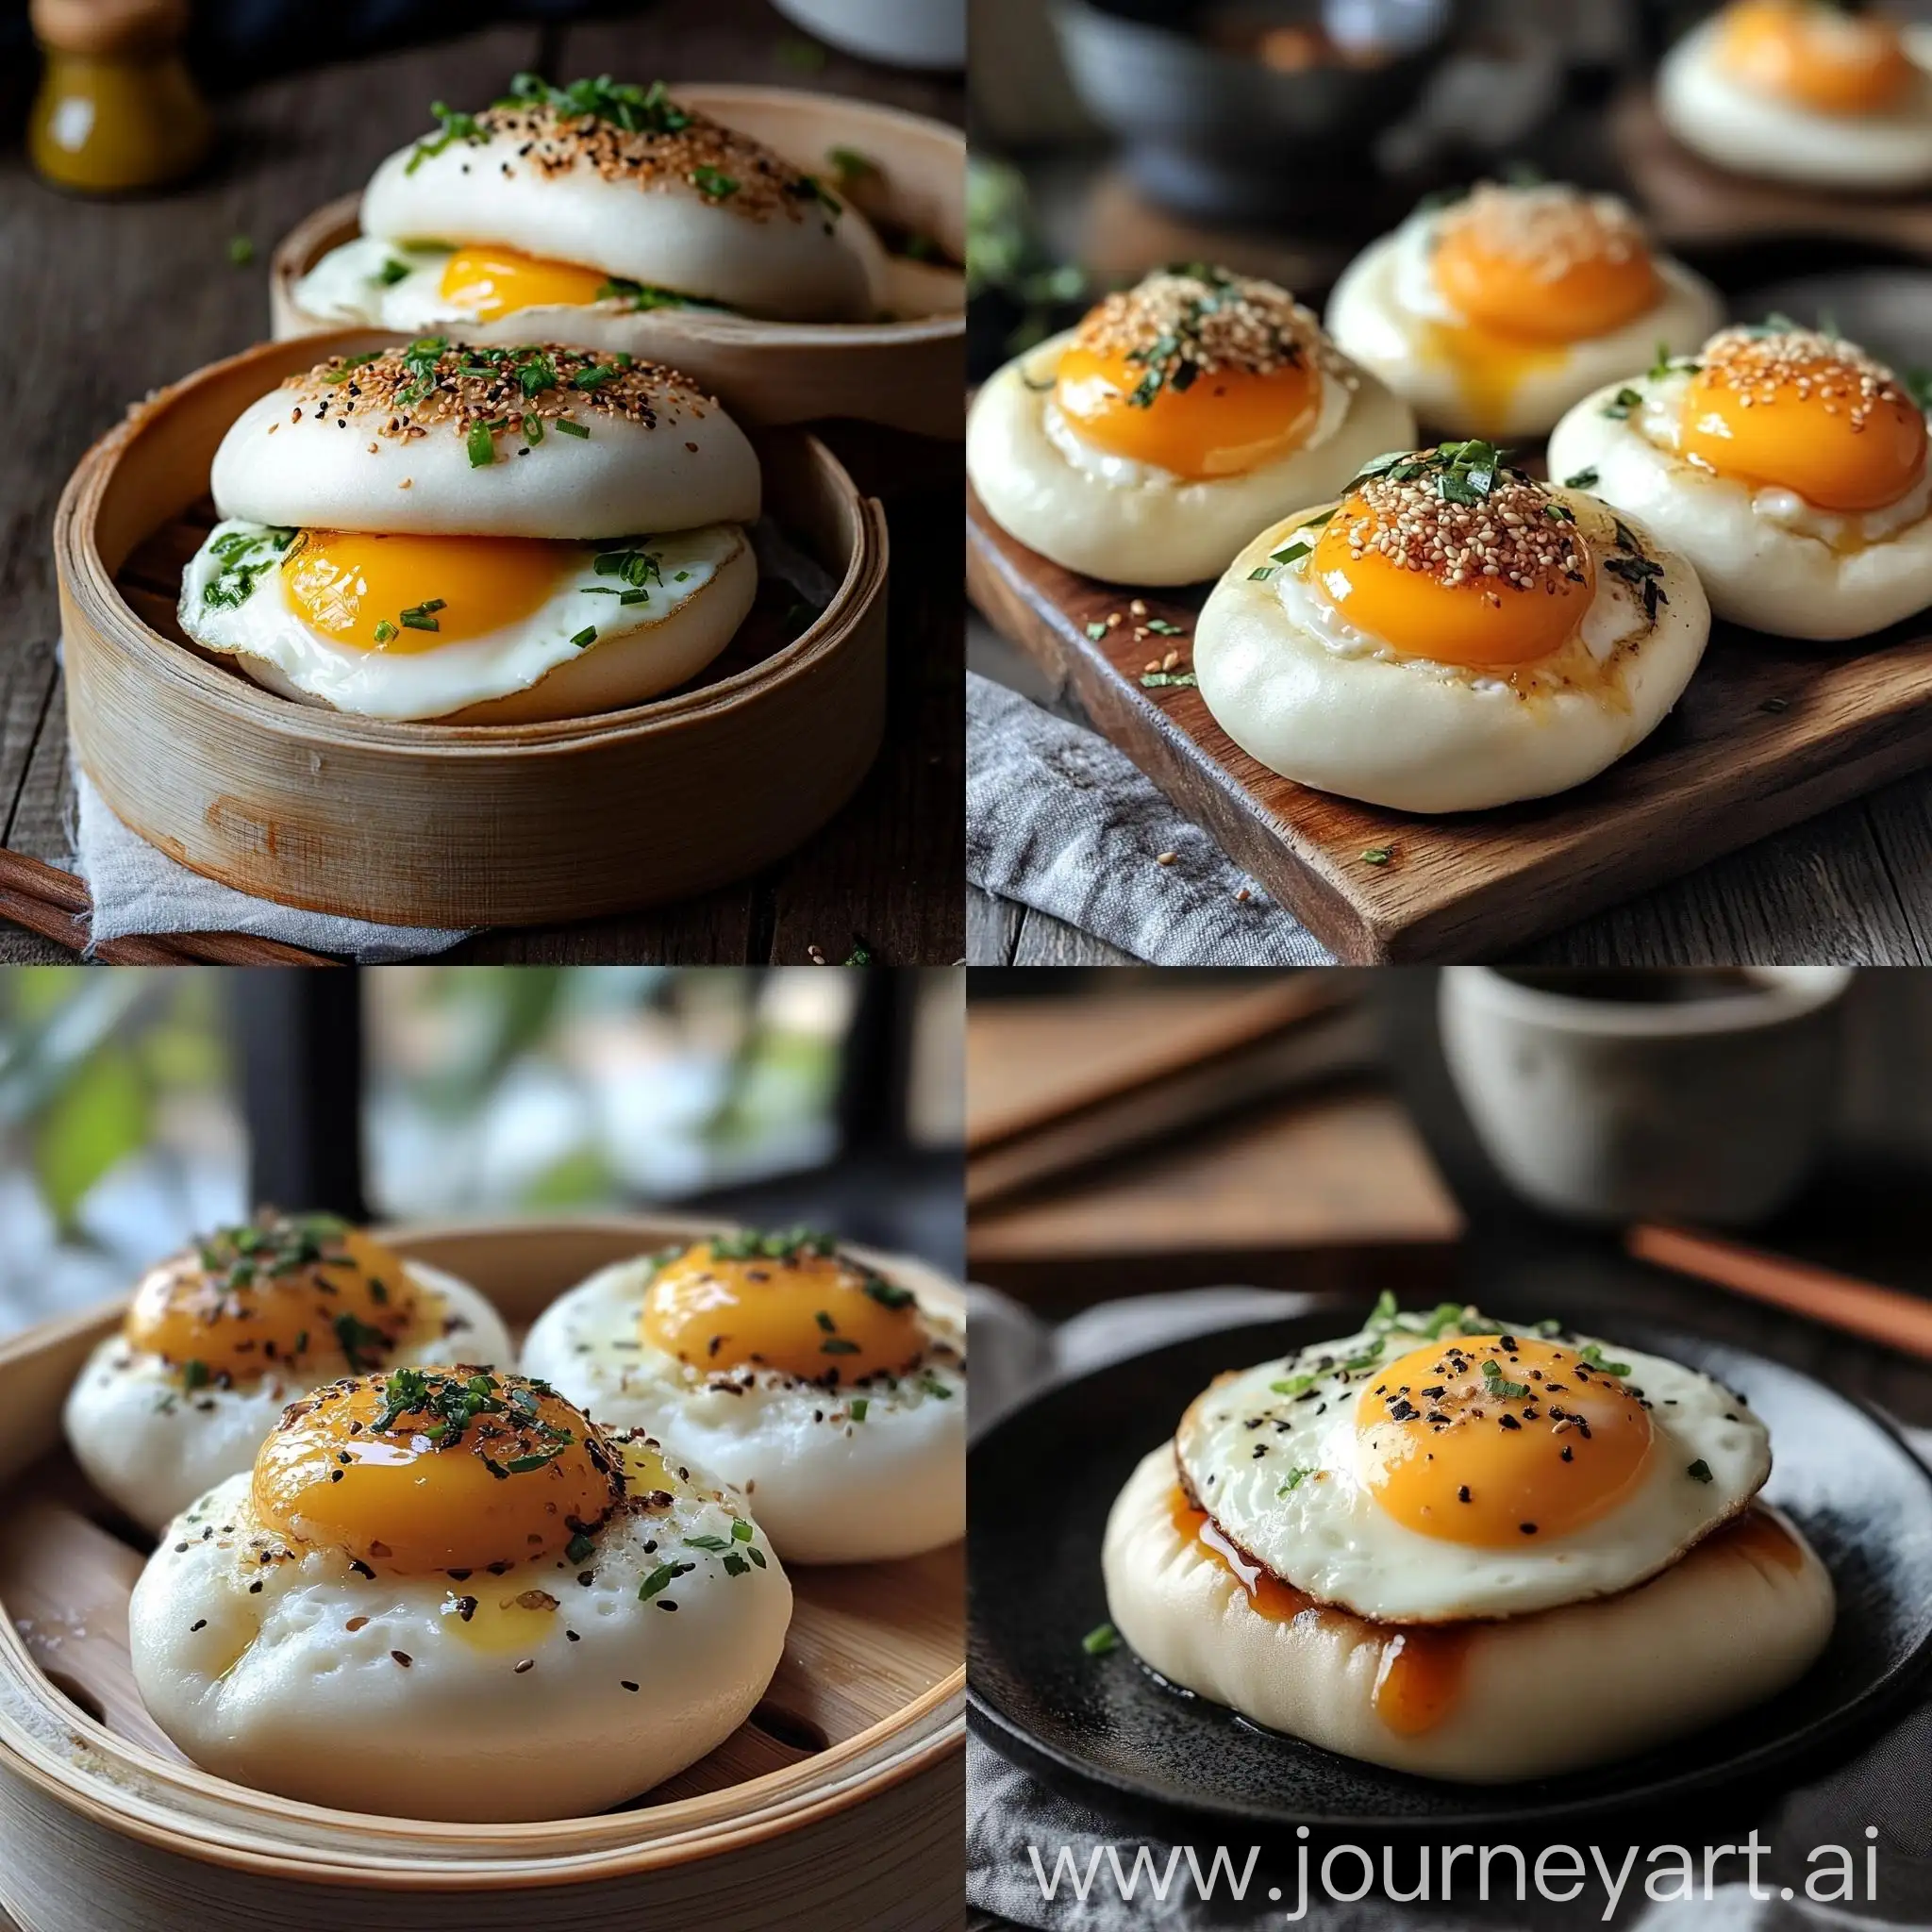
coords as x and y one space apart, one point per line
138 889
1010 1812
1060 821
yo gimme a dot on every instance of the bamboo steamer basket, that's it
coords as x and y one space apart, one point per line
907 374
840 1804
424 823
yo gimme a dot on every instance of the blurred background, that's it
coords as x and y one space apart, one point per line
140 1105
1482 1133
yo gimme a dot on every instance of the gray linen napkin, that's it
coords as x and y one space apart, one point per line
1010 1812
138 889
1060 821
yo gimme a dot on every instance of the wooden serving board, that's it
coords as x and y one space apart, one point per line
1770 732
1691 203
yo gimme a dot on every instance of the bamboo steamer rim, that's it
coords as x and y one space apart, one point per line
91 583
573 1849
298 249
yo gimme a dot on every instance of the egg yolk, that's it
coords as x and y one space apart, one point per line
1800 413
1581 281
1212 422
488 282
415 594
1426 593
1832 59
1499 1442
288 1289
436 1469
806 1311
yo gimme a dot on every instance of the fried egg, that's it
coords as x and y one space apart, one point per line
1787 465
1147 446
220 1337
572 211
1411 1543
832 1395
440 532
1450 635
445 1593
1492 314
1803 91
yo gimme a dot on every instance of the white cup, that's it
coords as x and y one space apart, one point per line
1709 1108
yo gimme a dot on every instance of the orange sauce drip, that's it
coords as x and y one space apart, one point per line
1756 1533
1418 1677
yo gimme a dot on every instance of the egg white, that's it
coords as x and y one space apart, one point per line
1322 1530
291 460
1387 313
1786 141
1766 557
1107 516
814 264
252 1669
1532 1696
1317 700
526 670
151 1447
827 1489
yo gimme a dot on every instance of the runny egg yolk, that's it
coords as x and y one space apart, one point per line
287 1288
436 1469
1826 58
414 594
807 1311
1208 424
1414 572
1558 273
1499 1442
486 282
1806 413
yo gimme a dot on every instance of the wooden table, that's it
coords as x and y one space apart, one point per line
1852 885
105 301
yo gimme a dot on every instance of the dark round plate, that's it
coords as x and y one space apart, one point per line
1041 1484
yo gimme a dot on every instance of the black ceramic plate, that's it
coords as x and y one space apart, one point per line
1040 1485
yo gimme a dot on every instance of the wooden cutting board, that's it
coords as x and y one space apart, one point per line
1691 203
1770 732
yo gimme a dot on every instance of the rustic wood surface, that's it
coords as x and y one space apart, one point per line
1768 733
107 300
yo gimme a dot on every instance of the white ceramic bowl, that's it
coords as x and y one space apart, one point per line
899 33
1709 1109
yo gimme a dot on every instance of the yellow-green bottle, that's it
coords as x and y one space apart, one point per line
117 110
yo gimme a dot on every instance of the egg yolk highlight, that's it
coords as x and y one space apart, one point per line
488 282
436 1469
1516 282
406 595
1499 1442
1834 60
285 1289
1215 423
807 1311
1800 413
1427 594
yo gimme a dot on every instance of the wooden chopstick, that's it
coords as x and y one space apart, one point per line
1885 1315
55 904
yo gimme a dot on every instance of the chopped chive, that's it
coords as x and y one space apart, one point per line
858 1408
586 636
565 426
1102 1638
385 630
481 445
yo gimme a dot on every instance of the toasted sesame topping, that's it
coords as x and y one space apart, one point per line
480 393
1758 364
637 134
1502 536
1550 229
1181 323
